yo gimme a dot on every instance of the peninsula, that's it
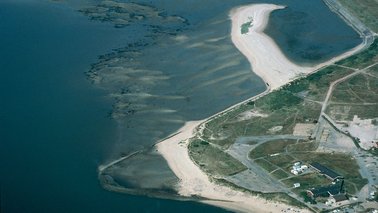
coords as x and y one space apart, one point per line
218 186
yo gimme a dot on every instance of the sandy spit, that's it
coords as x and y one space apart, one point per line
266 58
276 70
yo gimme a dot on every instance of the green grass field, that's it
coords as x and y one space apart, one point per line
307 181
303 146
271 147
265 165
280 174
283 161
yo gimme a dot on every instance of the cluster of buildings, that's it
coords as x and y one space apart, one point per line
372 195
334 191
298 168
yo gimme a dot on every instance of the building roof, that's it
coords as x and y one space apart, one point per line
340 197
324 170
325 191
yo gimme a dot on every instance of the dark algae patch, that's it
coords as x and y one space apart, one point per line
122 14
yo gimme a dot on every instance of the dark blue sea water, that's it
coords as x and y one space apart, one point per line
55 128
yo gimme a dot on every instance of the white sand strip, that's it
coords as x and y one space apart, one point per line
266 58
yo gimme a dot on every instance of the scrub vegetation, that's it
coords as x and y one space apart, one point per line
270 122
355 96
366 11
270 147
213 160
307 181
245 27
363 59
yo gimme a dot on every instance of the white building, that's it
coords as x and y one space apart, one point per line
294 172
298 168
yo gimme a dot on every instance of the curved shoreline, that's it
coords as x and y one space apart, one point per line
276 70
266 58
193 181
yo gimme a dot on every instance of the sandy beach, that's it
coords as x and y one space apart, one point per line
194 182
276 70
266 59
